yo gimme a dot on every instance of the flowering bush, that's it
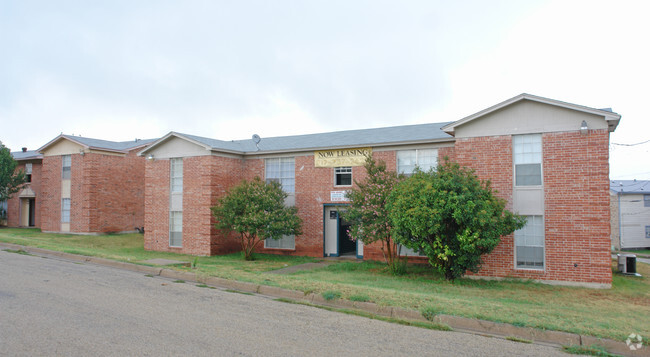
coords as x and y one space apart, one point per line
368 214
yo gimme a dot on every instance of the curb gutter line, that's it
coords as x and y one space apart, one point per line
459 324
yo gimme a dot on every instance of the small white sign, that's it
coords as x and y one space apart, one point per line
337 196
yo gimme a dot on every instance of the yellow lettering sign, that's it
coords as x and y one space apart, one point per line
343 157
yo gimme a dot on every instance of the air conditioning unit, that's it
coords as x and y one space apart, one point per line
627 264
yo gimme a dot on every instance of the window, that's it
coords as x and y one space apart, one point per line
286 242
3 209
282 170
28 172
646 200
647 232
65 210
342 176
176 228
176 174
529 244
66 163
528 159
424 159
404 251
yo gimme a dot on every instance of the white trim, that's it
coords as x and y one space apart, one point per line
611 117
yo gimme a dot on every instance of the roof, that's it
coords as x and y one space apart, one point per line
630 186
405 134
97 144
611 117
26 155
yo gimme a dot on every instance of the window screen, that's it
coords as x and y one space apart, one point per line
527 157
529 244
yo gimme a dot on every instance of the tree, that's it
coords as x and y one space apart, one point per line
451 216
368 213
11 181
256 211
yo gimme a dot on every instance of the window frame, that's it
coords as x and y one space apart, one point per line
646 200
174 229
65 211
417 161
273 171
527 157
339 172
285 238
176 175
28 172
525 230
66 170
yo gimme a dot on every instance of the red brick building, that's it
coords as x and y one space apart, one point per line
23 208
547 158
91 186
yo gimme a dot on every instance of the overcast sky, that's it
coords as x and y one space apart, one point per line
230 69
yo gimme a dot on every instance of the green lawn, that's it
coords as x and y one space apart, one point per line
612 313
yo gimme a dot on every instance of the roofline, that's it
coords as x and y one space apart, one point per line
27 158
611 117
88 147
85 146
177 135
266 152
394 143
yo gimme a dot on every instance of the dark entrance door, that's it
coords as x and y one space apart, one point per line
32 212
346 245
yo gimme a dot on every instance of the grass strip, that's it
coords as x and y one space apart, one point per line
593 350
430 326
238 292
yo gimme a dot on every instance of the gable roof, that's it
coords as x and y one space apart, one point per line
26 155
611 117
98 144
395 135
630 186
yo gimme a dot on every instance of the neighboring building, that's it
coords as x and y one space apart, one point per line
630 214
91 186
23 208
547 158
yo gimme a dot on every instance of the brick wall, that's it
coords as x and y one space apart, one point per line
205 180
156 202
51 194
106 193
576 194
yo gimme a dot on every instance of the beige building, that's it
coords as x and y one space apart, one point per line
630 214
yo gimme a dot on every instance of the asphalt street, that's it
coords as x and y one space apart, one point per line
53 307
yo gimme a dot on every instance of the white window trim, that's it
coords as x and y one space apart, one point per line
63 167
279 161
174 175
417 159
514 245
283 237
69 210
541 163
170 230
343 173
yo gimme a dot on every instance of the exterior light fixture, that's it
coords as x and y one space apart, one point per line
82 152
584 129
150 157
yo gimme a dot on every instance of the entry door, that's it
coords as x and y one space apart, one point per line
331 226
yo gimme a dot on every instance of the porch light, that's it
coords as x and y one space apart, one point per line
584 129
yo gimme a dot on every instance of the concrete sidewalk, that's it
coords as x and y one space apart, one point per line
462 324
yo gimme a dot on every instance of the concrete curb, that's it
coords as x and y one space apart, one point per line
461 324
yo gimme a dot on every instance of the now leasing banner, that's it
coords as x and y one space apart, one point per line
342 157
